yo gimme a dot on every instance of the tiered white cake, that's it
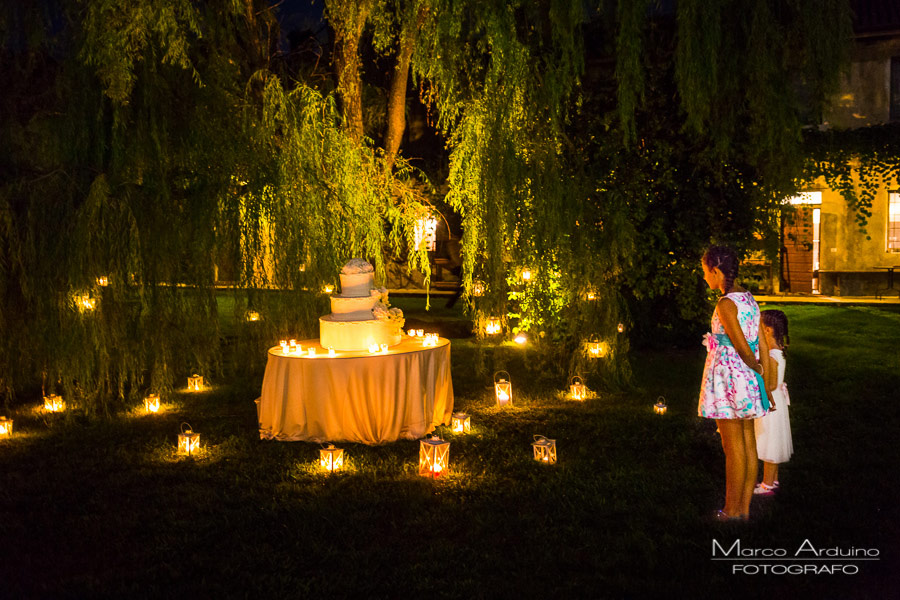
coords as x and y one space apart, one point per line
360 316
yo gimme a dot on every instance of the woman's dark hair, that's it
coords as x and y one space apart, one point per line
777 320
727 262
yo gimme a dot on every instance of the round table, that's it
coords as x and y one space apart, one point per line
356 396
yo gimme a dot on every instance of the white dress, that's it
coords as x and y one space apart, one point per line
773 431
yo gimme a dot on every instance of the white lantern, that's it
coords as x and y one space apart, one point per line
503 388
293 347
188 441
284 346
660 406
195 383
577 389
330 458
460 422
544 450
492 326
6 427
151 403
434 456
54 403
478 288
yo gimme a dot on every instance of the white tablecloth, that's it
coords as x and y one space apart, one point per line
356 396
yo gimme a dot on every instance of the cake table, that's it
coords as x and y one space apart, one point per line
356 396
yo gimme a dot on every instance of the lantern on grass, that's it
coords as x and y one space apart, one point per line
6 426
252 316
526 274
328 288
151 403
195 383
660 406
460 422
503 388
521 339
544 450
478 288
621 328
103 281
434 456
591 294
492 326
54 403
188 441
330 458
577 389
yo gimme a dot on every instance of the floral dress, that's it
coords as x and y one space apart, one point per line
730 389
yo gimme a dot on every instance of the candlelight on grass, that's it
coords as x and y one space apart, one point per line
151 403
460 422
188 441
103 281
478 288
596 348
330 458
544 450
660 406
6 427
252 316
577 389
434 456
195 383
503 388
54 403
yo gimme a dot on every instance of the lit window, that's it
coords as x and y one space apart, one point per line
893 228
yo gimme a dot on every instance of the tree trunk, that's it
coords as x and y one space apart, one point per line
396 111
348 28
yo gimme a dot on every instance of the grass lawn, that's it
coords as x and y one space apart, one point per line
104 509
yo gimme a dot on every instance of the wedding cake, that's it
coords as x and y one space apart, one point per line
360 315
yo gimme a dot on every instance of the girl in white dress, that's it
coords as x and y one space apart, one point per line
773 431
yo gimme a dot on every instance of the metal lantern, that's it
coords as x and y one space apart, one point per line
503 388
544 450
195 383
151 403
188 441
252 316
596 348
330 458
660 406
6 426
577 389
492 326
54 403
478 288
434 456
460 422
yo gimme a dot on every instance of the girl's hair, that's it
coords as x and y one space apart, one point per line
777 320
727 262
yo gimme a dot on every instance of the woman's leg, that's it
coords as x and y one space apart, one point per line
770 473
752 465
732 432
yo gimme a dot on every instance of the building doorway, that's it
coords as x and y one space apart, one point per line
800 243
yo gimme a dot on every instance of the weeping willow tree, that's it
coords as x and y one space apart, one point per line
152 142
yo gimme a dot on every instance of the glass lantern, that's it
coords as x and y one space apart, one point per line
6 427
54 403
503 388
596 348
188 441
577 389
478 288
103 281
621 328
544 450
434 456
460 422
252 316
330 458
492 326
195 383
151 403
660 406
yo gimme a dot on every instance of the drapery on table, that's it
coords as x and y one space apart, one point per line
356 396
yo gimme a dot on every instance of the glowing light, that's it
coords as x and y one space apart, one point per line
478 288
195 383
544 449
328 289
434 456
54 403
103 281
577 389
526 274
6 427
492 326
331 459
660 406
331 351
620 328
521 339
460 422
252 316
188 441
503 388
151 403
